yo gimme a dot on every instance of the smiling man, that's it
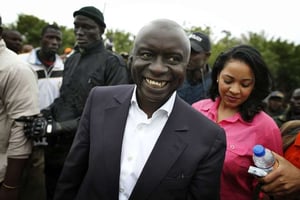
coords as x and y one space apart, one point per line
142 141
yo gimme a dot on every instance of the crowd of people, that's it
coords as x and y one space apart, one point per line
157 123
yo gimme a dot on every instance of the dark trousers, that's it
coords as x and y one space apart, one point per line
51 181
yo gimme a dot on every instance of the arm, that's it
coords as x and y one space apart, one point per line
76 163
206 182
20 97
283 181
11 183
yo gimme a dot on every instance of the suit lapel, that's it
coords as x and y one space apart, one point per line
114 125
167 149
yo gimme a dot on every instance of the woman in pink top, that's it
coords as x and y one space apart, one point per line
240 81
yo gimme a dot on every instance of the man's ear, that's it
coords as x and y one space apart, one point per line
129 62
101 30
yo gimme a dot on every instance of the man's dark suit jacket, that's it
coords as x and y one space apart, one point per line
186 161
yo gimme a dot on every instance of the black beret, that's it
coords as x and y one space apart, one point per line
93 13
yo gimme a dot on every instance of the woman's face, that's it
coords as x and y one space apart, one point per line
236 82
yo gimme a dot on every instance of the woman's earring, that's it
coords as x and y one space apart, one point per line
217 80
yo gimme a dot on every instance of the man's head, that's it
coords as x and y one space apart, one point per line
13 40
200 51
89 26
295 101
275 101
200 42
160 55
27 48
51 40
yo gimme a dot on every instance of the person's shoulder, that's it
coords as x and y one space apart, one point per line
115 57
107 93
263 122
195 117
15 63
24 55
204 103
263 117
59 63
112 89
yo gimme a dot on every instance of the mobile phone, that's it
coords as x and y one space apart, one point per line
257 171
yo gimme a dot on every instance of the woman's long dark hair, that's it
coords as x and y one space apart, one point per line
263 78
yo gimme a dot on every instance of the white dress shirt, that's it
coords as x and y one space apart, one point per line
139 139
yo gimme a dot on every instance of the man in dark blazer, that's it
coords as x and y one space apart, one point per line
142 141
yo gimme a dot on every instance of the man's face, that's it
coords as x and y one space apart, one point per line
295 104
197 60
275 103
158 64
51 41
14 41
86 30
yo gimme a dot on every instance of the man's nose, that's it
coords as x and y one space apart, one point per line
158 65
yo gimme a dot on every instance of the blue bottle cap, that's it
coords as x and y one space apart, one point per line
259 150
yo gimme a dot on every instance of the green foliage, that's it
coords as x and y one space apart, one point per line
30 26
122 41
282 57
68 38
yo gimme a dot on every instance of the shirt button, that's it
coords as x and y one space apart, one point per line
129 158
121 190
232 146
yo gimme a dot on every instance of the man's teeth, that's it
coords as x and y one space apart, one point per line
156 83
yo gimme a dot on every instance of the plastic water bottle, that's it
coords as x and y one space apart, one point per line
263 158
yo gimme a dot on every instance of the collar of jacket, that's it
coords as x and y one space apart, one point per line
94 47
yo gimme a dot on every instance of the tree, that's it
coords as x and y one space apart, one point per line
282 57
122 41
30 27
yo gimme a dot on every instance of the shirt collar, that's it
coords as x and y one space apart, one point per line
214 109
167 106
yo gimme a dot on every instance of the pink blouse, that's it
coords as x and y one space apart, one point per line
236 183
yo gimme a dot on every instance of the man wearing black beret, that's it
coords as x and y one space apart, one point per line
89 66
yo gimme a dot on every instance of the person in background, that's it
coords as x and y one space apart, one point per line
90 65
198 73
47 64
49 67
18 97
67 52
26 48
275 105
240 82
284 182
159 148
293 111
13 40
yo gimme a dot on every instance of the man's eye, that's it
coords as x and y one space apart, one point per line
146 56
174 59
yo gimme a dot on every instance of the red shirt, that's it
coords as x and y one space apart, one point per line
292 154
